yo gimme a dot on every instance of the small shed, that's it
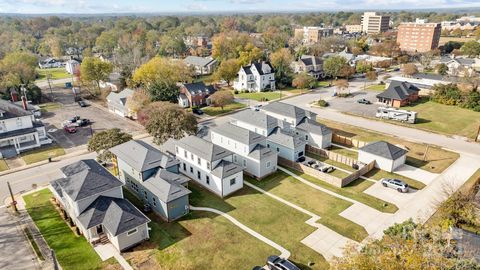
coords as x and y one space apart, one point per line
387 156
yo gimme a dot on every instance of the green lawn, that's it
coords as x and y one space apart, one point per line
376 87
172 247
344 152
354 191
213 111
378 174
323 84
340 165
50 106
437 159
56 73
3 165
73 252
259 96
326 206
42 153
452 120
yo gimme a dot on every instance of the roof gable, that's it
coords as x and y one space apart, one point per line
399 90
384 149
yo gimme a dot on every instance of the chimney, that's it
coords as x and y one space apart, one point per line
14 95
24 102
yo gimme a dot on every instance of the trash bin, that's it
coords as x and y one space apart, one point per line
49 159
68 85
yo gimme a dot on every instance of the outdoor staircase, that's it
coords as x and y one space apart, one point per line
103 239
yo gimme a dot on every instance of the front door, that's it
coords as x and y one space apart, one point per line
99 229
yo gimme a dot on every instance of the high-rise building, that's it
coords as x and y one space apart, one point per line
372 23
418 37
312 34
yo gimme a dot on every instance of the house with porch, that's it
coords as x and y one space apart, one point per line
153 177
93 199
256 77
312 65
398 94
19 129
195 94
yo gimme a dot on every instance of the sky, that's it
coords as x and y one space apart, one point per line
182 6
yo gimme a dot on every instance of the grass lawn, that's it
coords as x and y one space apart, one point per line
213 111
376 87
326 206
56 73
378 174
343 151
333 163
42 153
259 96
270 218
73 252
452 120
354 191
323 84
3 165
437 159
50 106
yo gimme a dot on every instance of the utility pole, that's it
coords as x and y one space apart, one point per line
49 76
14 203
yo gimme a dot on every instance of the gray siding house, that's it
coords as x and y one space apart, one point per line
153 177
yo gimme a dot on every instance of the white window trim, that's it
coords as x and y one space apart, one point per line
132 232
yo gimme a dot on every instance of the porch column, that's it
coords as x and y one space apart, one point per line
37 139
17 144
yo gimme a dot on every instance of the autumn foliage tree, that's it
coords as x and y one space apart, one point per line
222 98
409 69
227 70
139 100
303 80
104 140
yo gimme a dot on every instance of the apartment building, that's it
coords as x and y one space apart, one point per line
373 23
418 37
312 34
353 28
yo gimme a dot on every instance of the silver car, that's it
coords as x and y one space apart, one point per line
399 185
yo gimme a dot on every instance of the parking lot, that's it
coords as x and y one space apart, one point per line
101 119
351 105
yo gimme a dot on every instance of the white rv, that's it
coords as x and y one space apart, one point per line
396 114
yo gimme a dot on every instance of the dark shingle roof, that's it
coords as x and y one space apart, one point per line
120 98
285 109
225 169
11 110
399 90
86 178
238 134
256 118
167 186
384 149
203 148
285 138
142 156
260 152
199 88
199 61
117 215
313 127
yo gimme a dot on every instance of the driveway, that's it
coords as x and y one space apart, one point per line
351 105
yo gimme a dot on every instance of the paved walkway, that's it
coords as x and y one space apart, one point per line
284 253
421 175
107 251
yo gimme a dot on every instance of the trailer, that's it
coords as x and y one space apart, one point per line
396 114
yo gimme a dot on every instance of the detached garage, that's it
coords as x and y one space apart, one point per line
387 156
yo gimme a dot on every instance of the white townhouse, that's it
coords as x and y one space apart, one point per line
249 149
209 165
19 130
255 77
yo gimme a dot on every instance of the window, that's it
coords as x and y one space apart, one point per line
244 163
208 165
199 161
278 149
154 202
232 181
185 153
176 149
184 166
199 175
208 180
145 194
132 232
306 137
234 158
191 169
268 164
268 145
191 156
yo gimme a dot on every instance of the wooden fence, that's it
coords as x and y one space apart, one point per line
356 174
331 155
332 180
347 141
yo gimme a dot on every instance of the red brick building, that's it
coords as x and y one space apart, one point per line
398 94
195 94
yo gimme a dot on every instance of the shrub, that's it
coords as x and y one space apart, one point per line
322 103
235 92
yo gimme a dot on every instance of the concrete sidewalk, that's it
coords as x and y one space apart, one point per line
421 175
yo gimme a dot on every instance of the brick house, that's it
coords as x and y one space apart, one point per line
195 94
399 94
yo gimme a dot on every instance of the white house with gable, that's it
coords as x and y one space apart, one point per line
255 77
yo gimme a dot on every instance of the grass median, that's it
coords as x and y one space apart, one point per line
42 153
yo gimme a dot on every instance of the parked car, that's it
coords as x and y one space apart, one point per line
83 122
311 163
364 101
301 159
397 184
70 129
257 107
82 103
197 111
276 263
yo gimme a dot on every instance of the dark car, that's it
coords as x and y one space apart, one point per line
277 263
197 111
70 129
82 103
364 101
83 122
301 159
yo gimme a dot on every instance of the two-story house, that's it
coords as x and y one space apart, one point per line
93 199
209 165
153 177
195 94
201 65
309 64
249 149
19 130
255 77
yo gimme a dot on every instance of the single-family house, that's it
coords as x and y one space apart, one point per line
398 93
201 65
93 199
255 77
312 65
113 83
195 94
460 66
209 165
72 66
117 103
19 129
287 143
50 63
424 82
387 156
153 177
249 149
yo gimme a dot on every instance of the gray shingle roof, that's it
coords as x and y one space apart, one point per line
310 60
285 109
141 156
86 178
256 118
313 127
384 149
238 134
202 148
199 88
199 61
287 139
11 110
117 215
260 152
120 98
225 169
399 90
167 186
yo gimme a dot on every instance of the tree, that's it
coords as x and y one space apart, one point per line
442 69
274 39
94 70
172 45
228 45
17 69
363 67
347 71
165 120
333 65
409 69
161 70
227 70
160 91
138 101
303 80
452 45
249 54
370 76
281 60
471 48
222 98
101 141
341 85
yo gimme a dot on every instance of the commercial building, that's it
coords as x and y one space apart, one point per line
353 28
312 34
373 23
418 37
